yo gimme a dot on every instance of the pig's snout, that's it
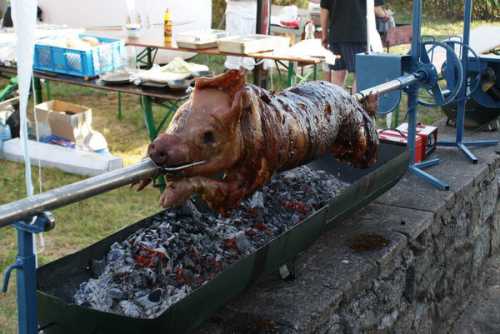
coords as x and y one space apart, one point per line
168 151
158 153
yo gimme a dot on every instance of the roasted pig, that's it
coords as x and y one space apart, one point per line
236 135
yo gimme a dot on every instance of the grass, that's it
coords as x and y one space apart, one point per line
84 223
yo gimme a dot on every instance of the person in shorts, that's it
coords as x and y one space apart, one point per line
344 32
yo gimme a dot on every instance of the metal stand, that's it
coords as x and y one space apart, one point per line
24 216
417 168
25 267
416 55
419 73
462 98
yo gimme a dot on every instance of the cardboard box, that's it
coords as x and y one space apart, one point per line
67 120
425 139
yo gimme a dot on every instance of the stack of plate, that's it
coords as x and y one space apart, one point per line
116 78
176 75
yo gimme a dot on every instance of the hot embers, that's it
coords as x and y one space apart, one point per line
183 249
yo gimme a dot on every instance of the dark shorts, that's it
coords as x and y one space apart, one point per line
347 52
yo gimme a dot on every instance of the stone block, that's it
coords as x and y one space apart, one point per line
437 245
495 230
481 248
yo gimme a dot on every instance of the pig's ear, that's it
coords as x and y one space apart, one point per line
370 103
242 103
230 82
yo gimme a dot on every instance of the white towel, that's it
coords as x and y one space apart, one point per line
241 20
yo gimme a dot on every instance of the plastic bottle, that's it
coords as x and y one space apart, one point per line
5 135
167 27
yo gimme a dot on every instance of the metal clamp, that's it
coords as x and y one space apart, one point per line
41 223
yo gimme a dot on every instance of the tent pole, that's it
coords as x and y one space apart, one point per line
263 26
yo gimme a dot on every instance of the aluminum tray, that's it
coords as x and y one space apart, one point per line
58 280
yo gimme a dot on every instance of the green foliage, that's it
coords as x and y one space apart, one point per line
453 9
298 3
439 9
218 9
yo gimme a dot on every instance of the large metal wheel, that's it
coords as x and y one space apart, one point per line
443 77
473 75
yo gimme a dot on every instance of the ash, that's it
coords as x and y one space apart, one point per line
183 249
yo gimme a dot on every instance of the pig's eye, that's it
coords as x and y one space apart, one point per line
208 137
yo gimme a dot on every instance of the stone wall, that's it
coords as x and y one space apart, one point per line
407 263
425 287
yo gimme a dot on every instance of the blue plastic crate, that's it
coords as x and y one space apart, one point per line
109 56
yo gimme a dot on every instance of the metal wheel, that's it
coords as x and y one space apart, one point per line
473 75
435 79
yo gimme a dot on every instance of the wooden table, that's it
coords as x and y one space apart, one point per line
152 40
165 97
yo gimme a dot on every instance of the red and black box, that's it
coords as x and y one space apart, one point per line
425 141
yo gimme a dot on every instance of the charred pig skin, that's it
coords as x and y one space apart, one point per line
247 133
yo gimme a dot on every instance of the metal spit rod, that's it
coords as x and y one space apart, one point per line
71 193
388 86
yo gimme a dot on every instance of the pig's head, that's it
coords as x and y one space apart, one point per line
205 128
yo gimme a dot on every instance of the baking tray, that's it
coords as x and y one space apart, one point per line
58 280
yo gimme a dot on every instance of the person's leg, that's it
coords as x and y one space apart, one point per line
351 50
338 77
328 73
338 71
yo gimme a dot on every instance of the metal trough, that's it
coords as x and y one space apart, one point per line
58 280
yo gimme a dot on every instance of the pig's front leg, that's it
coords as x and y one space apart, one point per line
214 192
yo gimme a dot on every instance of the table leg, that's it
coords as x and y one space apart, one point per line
147 107
291 74
149 57
167 118
139 58
7 90
47 90
38 90
315 73
120 110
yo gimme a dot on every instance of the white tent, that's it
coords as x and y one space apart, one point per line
24 17
113 13
92 13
